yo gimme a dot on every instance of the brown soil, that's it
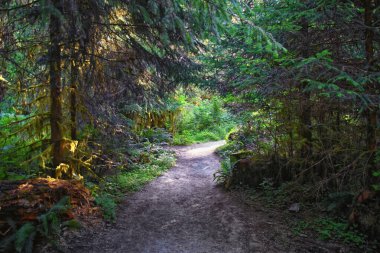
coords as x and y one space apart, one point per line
185 211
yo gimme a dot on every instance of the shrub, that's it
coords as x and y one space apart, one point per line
202 119
131 179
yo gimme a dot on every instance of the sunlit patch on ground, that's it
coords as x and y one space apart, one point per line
204 150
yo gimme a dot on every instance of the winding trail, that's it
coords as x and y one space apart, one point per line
184 211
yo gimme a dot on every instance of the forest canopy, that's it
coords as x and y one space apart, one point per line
68 64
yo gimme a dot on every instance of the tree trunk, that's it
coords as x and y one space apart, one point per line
56 116
369 6
306 134
73 99
305 116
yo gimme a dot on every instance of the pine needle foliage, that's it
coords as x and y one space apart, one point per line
68 64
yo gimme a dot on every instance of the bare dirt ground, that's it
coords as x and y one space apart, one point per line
185 211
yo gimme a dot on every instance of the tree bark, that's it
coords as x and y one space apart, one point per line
305 115
369 6
56 115
73 99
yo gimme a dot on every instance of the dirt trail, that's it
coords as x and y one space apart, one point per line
184 211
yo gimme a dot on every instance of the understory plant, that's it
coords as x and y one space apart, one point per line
202 117
147 163
338 230
47 227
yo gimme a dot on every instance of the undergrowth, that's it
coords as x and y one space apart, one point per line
278 181
131 178
13 148
202 118
315 219
46 227
333 229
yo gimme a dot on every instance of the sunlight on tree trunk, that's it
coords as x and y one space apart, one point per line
56 116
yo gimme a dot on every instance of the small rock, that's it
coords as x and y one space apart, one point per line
295 207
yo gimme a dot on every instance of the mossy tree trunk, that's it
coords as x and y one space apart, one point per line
73 97
55 69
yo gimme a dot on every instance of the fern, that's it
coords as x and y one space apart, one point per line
108 205
47 227
50 221
224 172
25 237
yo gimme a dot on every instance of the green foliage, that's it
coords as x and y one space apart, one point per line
338 201
376 174
267 186
302 108
71 224
224 172
91 70
156 135
330 229
108 205
300 75
149 166
202 118
13 145
279 196
47 226
24 238
140 174
228 148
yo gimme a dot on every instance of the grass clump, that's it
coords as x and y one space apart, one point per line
140 174
108 205
130 179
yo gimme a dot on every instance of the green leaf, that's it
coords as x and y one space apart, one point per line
24 237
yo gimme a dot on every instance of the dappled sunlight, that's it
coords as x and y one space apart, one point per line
25 187
189 126
169 180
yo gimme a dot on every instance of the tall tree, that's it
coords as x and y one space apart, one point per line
372 111
82 62
308 99
55 76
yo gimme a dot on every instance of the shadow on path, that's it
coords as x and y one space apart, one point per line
184 211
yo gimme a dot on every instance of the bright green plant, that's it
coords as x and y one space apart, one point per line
141 174
202 118
9 140
131 179
222 175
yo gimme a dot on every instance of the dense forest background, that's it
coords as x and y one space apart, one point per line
92 91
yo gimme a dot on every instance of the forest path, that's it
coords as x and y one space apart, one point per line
185 211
